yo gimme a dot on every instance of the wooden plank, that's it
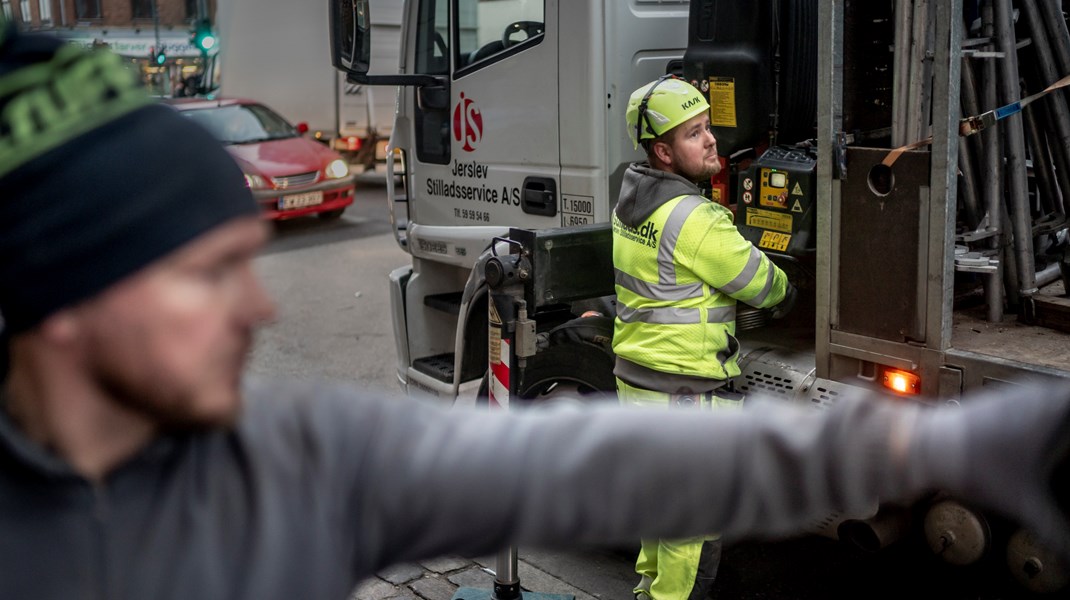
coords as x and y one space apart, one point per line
1053 312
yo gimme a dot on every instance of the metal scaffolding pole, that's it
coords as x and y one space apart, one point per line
992 177
919 99
1014 142
904 25
1048 72
968 152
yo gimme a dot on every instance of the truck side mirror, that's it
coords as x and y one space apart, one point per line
350 39
351 48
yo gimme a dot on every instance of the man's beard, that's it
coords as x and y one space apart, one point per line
176 408
702 175
169 410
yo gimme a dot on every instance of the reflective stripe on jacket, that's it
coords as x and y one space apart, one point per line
678 277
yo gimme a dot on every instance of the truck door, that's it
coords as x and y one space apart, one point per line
488 154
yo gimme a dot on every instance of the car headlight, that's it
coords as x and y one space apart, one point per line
337 169
254 182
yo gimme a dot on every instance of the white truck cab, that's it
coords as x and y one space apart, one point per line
524 127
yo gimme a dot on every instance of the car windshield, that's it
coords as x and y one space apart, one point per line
243 123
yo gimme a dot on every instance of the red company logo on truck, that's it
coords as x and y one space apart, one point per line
467 124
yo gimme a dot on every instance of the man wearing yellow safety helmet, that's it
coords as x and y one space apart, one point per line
680 266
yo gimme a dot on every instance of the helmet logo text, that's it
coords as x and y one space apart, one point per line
467 124
690 103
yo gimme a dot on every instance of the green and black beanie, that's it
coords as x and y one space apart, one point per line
96 179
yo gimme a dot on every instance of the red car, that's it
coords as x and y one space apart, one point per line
290 175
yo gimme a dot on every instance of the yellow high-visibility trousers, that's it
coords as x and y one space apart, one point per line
676 569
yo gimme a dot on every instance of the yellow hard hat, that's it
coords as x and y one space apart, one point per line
661 105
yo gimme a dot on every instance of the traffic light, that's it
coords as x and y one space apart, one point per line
157 58
202 37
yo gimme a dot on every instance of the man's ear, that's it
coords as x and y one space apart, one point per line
663 152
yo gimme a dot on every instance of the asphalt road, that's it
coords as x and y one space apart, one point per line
329 279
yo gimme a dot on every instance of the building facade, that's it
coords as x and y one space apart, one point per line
153 35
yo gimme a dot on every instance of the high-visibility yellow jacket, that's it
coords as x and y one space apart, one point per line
680 266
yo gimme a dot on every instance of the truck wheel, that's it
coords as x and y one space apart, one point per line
564 373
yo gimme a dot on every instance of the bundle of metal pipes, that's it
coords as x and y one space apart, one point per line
1014 188
1014 195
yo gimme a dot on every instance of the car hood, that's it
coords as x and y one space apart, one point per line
280 158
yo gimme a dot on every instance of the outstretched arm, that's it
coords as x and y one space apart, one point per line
430 481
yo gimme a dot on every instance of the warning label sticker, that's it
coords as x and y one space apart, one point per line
723 102
774 241
767 219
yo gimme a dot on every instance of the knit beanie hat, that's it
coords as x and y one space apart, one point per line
96 180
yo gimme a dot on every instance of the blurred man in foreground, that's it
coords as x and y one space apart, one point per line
134 463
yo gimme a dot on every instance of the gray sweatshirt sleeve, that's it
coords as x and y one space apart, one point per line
425 481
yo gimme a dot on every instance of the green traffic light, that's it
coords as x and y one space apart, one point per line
202 37
161 58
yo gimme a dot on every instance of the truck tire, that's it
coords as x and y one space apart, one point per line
577 366
567 372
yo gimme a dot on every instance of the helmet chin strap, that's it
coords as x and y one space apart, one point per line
642 109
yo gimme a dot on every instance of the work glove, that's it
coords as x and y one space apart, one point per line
1007 451
781 310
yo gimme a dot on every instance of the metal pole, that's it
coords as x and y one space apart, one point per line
968 151
1014 141
1038 150
972 80
1045 66
904 24
156 23
829 123
992 175
505 291
158 49
337 109
506 277
506 579
1059 36
946 27
918 100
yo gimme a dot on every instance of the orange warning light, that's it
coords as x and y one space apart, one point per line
903 382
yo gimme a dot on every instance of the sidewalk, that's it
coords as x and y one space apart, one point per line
591 575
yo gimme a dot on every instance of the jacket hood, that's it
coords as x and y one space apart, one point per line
644 189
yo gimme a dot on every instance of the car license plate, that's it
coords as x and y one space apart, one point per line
300 200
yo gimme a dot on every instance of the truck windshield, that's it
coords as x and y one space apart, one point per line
243 124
